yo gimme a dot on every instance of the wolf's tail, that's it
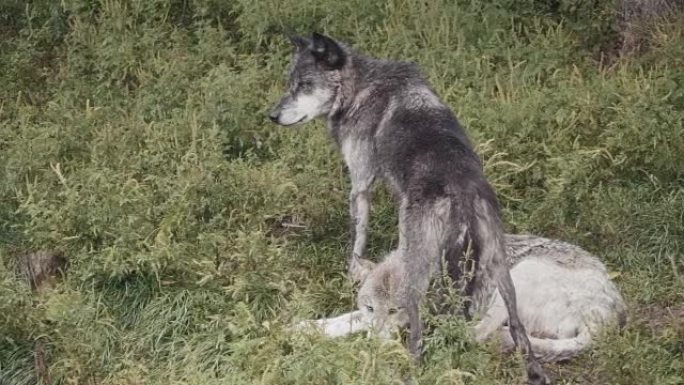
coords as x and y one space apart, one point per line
490 253
550 350
494 271
553 349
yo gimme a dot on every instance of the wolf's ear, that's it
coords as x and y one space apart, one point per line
327 52
360 268
298 41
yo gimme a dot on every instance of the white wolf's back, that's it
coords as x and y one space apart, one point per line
564 297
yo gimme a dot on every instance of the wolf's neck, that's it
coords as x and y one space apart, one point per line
353 82
364 76
365 89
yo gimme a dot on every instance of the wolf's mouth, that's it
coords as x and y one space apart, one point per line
297 122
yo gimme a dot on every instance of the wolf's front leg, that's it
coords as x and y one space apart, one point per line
339 326
415 341
358 156
359 206
359 210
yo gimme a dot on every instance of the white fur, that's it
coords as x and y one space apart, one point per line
305 107
424 97
562 305
340 326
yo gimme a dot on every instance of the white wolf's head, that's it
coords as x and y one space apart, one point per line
312 84
381 297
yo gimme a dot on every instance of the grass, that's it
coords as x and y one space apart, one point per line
134 138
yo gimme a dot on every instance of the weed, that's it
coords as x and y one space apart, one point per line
134 140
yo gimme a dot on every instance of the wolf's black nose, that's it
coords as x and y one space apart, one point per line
273 115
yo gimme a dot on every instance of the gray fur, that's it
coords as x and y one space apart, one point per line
565 299
391 125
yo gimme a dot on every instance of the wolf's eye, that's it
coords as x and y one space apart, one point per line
369 308
392 310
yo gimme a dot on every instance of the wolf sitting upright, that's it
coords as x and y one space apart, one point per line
565 298
390 124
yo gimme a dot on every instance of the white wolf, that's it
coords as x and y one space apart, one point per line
565 297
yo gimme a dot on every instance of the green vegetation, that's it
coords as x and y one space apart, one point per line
134 138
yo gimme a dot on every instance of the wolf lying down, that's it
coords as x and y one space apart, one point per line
564 298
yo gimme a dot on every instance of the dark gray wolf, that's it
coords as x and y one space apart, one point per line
390 124
565 298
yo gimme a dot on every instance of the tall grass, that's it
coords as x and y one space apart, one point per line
133 138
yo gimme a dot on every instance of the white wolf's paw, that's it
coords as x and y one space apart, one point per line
306 326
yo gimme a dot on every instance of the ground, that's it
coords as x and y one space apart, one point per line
134 140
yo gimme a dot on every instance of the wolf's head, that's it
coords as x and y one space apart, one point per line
381 297
313 81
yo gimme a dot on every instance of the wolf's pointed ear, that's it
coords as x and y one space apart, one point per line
327 52
298 41
359 269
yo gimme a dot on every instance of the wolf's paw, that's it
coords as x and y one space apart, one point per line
536 374
303 327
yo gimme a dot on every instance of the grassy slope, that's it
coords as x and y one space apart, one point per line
133 137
